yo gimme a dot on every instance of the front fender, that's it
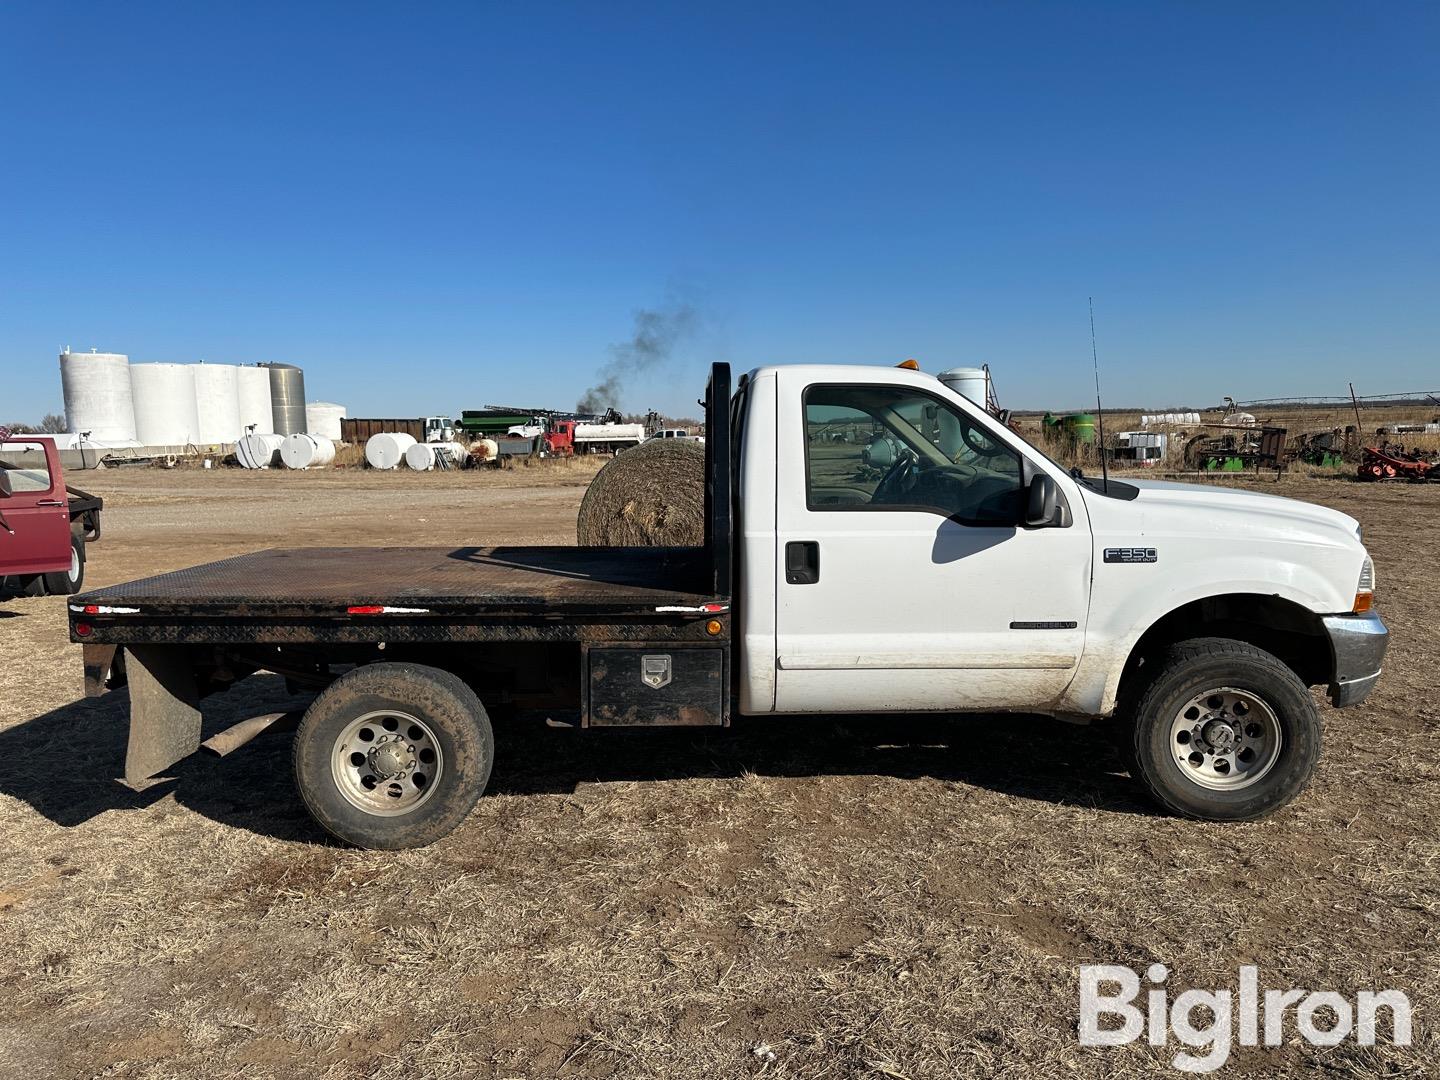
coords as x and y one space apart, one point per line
1116 627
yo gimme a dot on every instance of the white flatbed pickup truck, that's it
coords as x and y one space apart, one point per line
966 573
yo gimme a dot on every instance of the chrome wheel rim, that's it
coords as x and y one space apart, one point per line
74 565
1225 739
387 763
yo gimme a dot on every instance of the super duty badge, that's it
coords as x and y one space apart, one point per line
1129 555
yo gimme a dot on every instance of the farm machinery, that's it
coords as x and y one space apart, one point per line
1393 462
1236 448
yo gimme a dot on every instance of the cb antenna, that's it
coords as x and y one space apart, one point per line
1099 409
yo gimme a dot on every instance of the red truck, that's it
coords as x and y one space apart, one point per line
44 525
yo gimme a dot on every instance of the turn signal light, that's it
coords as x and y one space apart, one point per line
713 627
1364 601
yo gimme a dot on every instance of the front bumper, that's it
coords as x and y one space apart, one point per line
1358 643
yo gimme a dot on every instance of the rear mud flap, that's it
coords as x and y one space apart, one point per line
103 663
164 711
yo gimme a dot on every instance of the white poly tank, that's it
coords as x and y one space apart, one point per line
217 403
164 404
259 451
98 397
971 382
484 450
254 394
323 418
306 451
387 450
421 456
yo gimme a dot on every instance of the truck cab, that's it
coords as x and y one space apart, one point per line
963 571
44 526
438 429
972 572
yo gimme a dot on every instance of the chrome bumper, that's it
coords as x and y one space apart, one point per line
1358 643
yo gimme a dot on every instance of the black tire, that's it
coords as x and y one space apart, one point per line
69 582
461 732
1191 669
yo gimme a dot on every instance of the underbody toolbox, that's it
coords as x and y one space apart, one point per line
656 685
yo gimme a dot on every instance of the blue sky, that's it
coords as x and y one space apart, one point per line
432 207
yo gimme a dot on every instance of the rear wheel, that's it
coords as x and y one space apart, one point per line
1224 732
68 582
393 755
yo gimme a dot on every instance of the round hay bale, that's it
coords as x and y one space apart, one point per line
651 496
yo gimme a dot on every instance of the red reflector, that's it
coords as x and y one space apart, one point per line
83 629
92 609
714 608
365 609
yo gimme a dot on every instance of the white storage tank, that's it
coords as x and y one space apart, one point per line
217 403
305 451
98 396
259 451
971 382
164 397
387 450
484 450
255 409
421 456
323 418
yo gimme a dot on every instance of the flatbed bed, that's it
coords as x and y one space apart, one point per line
588 636
438 580
399 594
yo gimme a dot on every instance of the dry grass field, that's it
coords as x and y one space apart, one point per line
885 897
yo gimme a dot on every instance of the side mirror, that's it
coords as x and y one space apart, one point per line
1040 502
6 488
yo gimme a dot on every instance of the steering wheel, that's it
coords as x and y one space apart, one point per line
898 479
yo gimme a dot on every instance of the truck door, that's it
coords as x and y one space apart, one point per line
905 578
37 509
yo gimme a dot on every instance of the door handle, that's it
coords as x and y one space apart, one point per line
48 502
802 562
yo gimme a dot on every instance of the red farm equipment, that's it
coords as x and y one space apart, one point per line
1387 462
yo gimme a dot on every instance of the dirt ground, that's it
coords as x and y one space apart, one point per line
898 898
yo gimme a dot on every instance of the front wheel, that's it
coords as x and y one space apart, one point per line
393 756
1224 732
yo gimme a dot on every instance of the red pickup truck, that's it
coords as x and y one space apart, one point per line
44 525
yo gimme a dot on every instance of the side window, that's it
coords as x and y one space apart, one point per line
26 464
888 447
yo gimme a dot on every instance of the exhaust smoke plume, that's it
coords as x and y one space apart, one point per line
655 336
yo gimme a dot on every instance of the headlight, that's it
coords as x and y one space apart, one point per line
1365 587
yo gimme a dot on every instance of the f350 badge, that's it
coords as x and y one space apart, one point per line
1131 555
